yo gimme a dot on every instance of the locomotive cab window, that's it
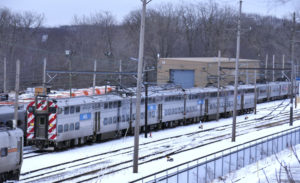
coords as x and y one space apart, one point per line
52 109
4 152
31 109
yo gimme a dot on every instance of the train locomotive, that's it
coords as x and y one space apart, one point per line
11 152
61 123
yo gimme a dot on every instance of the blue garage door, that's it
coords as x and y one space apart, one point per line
184 78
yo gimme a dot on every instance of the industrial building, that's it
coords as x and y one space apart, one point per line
203 71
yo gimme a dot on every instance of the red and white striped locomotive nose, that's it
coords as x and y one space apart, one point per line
42 106
30 122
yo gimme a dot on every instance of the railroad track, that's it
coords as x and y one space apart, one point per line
102 164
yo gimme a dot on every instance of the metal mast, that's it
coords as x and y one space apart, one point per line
236 74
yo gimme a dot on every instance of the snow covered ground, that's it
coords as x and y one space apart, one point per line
72 155
268 169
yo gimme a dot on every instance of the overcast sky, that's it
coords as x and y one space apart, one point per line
61 12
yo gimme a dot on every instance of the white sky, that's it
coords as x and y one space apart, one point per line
61 12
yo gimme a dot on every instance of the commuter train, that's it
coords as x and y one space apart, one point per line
11 152
62 123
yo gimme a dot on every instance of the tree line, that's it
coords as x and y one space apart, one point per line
189 30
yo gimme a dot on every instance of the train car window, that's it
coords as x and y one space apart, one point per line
72 110
110 104
115 119
4 152
110 120
105 105
60 128
77 126
115 104
52 109
66 110
105 121
77 109
119 103
123 118
142 115
153 100
127 117
66 127
42 121
71 126
213 94
142 101
133 116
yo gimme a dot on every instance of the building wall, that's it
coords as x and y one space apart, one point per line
205 70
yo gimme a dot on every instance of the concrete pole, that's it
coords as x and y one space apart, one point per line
236 75
17 93
4 77
120 70
146 104
273 68
283 57
266 66
255 92
247 74
138 92
94 76
292 71
44 76
218 93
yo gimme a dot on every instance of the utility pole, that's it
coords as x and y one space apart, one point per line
17 93
94 76
44 76
266 66
255 92
292 71
218 93
273 68
138 88
282 72
247 74
68 54
236 74
120 70
146 103
4 77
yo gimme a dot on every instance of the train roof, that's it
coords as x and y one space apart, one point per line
86 99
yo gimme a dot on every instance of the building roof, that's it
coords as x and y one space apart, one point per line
207 59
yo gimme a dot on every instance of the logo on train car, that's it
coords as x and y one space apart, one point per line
85 116
152 107
200 102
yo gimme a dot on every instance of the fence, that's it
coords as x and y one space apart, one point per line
218 164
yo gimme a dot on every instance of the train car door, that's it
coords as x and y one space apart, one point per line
160 112
41 126
242 100
206 107
97 122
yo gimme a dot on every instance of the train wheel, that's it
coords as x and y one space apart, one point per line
15 175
